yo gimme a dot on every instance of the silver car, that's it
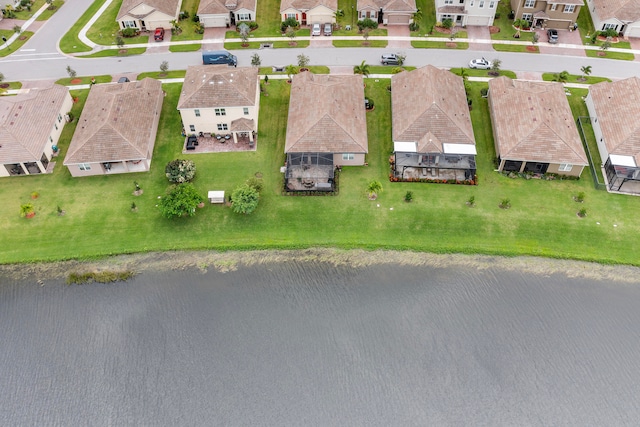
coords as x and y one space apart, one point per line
315 30
481 64
327 29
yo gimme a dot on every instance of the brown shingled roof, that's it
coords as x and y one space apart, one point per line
617 107
624 10
26 121
307 4
389 5
210 7
211 86
326 115
168 7
429 106
119 122
532 121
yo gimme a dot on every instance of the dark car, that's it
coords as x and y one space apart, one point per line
123 80
390 59
553 35
159 34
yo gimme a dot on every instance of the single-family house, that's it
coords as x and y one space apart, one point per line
533 128
387 12
219 100
309 12
327 128
558 14
225 13
116 131
467 12
614 109
148 14
30 126
620 15
431 126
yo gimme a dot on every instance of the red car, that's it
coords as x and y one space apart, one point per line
159 34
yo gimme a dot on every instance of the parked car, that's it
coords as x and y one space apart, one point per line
219 57
481 64
390 59
327 29
159 34
315 30
123 80
553 35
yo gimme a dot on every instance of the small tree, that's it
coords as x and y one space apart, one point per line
495 67
303 60
180 170
447 23
401 58
365 35
17 29
417 17
586 71
164 66
535 38
561 77
291 33
175 28
255 60
244 29
266 80
291 70
1 77
606 45
408 196
373 188
180 200
363 69
245 199
119 42
71 71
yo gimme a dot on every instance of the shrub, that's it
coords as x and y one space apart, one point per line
245 199
447 23
609 33
180 171
184 15
484 92
579 197
198 28
289 22
408 196
367 23
195 18
396 70
180 200
253 25
414 26
129 32
255 183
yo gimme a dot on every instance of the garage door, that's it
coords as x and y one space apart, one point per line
214 21
478 20
319 19
632 32
398 19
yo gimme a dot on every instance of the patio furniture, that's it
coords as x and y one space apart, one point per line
227 136
215 196
218 137
192 141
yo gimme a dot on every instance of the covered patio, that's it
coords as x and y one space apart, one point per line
412 166
222 143
623 177
309 172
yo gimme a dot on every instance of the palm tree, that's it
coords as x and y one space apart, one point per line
561 77
291 70
417 16
373 189
586 70
363 69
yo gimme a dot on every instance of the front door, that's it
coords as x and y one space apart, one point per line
304 19
143 26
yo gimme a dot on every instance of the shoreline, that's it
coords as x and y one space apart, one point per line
41 273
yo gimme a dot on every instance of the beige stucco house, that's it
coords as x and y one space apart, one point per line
387 12
559 14
219 100
431 127
533 128
467 12
614 109
117 129
326 128
309 12
30 126
148 14
620 15
224 13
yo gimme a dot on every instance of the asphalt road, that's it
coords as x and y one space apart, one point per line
40 58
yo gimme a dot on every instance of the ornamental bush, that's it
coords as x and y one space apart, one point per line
180 200
289 22
245 199
367 23
180 170
129 32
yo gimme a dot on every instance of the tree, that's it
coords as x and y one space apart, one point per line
561 77
180 170
606 45
245 199
373 189
401 57
255 60
291 33
289 22
180 200
495 67
17 29
363 69
365 35
119 42
71 71
291 70
244 29
303 60
164 66
175 28
417 16
586 70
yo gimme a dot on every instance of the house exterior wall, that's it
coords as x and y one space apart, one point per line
292 11
557 18
96 169
575 171
208 121
320 15
358 160
597 130
219 20
151 22
480 12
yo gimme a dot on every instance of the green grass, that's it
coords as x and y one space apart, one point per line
576 78
188 25
482 73
70 43
315 69
105 30
98 222
17 44
185 47
579 109
238 45
427 44
623 56
12 85
174 74
287 45
355 33
27 14
84 80
585 24
360 43
428 21
386 69
48 13
515 48
116 52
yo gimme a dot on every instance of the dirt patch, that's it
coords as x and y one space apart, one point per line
532 49
494 30
601 54
451 45
4 85
75 81
22 38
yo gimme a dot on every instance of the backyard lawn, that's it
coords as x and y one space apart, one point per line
99 221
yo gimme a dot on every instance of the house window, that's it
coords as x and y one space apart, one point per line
609 27
348 156
245 110
492 4
565 167
192 128
197 113
84 166
529 3
291 16
244 17
471 3
56 126
128 24
447 17
554 6
448 1
569 8
222 126
527 17
221 112
50 139
481 5
59 117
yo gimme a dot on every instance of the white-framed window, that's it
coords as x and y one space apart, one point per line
197 112
245 110
222 126
565 167
554 6
221 112
56 126
59 117
448 1
492 4
291 15
244 17
348 156
447 17
192 128
569 8
527 17
481 5
609 27
50 139
129 24
529 3
84 166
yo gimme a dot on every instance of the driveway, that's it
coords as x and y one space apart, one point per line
635 45
215 36
564 37
476 32
398 31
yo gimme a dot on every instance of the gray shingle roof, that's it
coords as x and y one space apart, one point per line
119 122
326 114
617 107
532 121
211 86
26 121
429 106
624 10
